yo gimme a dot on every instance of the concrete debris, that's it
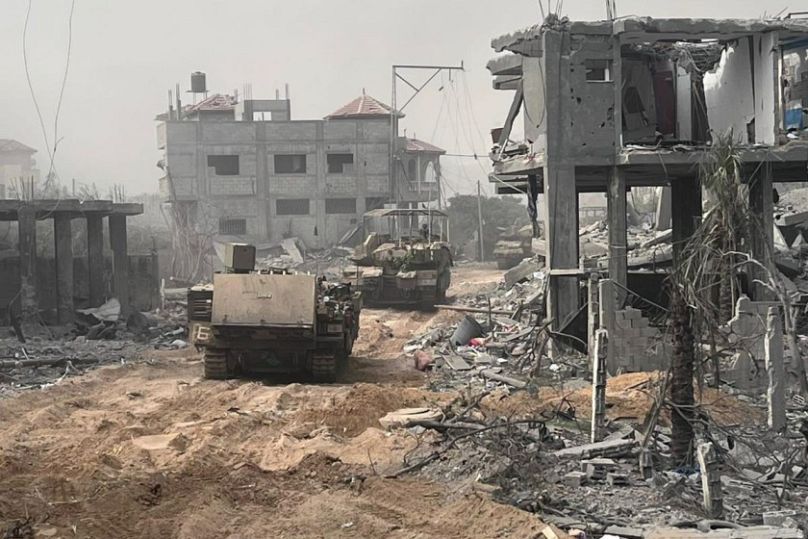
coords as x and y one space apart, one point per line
407 417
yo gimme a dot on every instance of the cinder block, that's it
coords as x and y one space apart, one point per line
621 324
639 323
632 314
615 479
649 332
575 479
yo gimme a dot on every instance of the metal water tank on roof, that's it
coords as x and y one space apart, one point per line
198 84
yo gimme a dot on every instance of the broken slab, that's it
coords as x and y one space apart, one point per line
520 272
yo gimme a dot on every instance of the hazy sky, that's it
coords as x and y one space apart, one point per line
126 55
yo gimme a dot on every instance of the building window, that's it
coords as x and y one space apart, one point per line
340 205
292 206
340 163
290 164
598 70
412 173
233 227
374 203
224 165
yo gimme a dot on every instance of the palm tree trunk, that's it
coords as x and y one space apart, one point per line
682 380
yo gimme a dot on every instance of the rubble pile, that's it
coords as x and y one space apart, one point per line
35 356
292 254
521 429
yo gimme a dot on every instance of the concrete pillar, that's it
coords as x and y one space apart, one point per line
775 370
761 204
710 480
561 211
607 310
662 220
26 219
618 240
63 243
685 211
120 261
95 258
599 387
560 193
593 315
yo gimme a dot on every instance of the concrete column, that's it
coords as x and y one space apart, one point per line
593 315
685 211
63 243
618 240
561 211
710 480
599 387
761 204
120 261
26 219
560 193
776 393
95 258
607 309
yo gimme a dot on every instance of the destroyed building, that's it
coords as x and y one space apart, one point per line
244 168
611 105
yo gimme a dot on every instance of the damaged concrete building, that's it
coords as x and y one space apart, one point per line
246 169
611 105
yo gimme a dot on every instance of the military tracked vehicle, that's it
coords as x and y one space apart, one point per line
272 322
405 258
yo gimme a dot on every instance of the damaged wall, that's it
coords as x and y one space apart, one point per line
728 91
733 101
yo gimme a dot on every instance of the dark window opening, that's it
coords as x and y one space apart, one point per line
412 174
224 165
290 164
292 206
598 70
340 163
233 227
374 203
340 205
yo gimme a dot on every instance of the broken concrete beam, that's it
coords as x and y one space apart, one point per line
606 448
520 272
407 417
752 532
493 375
792 219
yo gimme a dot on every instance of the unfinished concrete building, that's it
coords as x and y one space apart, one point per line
611 105
16 165
246 169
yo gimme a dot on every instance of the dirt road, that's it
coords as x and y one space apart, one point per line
152 450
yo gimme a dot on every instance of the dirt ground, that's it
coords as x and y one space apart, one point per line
152 450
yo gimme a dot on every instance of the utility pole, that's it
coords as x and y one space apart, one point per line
395 111
480 222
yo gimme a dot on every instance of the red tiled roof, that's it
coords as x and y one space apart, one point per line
11 145
415 145
363 106
214 102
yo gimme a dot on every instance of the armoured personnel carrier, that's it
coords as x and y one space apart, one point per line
272 322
